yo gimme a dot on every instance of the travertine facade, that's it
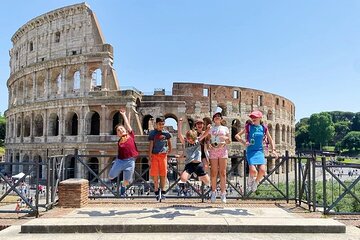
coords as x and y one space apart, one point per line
64 95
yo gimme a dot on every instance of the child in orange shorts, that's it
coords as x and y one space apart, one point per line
159 147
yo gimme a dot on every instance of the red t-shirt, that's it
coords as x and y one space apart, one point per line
128 148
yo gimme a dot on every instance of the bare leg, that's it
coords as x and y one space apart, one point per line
214 173
205 179
261 173
156 183
222 171
162 182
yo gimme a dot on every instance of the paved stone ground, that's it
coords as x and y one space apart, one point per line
9 219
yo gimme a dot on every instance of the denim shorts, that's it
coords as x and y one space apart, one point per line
126 166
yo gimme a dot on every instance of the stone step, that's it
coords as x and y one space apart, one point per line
178 220
229 225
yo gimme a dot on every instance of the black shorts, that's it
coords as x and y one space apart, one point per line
196 168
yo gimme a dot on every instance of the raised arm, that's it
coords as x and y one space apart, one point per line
205 133
180 136
126 120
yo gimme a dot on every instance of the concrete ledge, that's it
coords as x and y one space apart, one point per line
221 224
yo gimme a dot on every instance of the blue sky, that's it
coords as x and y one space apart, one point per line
307 51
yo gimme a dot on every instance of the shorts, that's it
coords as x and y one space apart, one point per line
158 165
220 152
126 166
255 157
195 167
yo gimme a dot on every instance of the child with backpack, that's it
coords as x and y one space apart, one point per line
256 134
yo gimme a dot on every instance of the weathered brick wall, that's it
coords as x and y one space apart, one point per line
74 193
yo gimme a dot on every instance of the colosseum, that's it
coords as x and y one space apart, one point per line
64 95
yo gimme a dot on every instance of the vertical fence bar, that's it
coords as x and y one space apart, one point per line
244 168
313 180
295 180
48 177
287 175
37 189
323 165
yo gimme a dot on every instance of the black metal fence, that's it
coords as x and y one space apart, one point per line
305 179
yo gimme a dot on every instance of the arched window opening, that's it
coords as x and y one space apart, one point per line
117 118
283 132
277 134
31 46
95 124
27 126
72 124
171 124
70 167
25 161
16 167
53 125
76 81
18 129
148 123
39 126
96 80
38 159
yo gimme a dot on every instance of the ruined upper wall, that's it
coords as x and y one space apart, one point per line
66 31
235 100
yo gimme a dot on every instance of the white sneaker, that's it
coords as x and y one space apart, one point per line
223 197
213 197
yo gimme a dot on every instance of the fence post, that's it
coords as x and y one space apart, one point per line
37 189
314 183
245 165
287 175
323 166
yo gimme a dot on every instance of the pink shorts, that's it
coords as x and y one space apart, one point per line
221 152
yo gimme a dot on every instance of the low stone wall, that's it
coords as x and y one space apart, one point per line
74 193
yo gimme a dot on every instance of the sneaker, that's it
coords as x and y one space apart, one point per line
223 197
157 197
213 197
254 186
163 195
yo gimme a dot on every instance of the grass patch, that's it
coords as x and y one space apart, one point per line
2 150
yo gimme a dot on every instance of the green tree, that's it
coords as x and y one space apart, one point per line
302 137
341 129
351 140
356 122
321 128
338 116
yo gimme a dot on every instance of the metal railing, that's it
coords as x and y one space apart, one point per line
302 179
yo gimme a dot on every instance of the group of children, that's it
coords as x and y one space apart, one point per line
203 146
